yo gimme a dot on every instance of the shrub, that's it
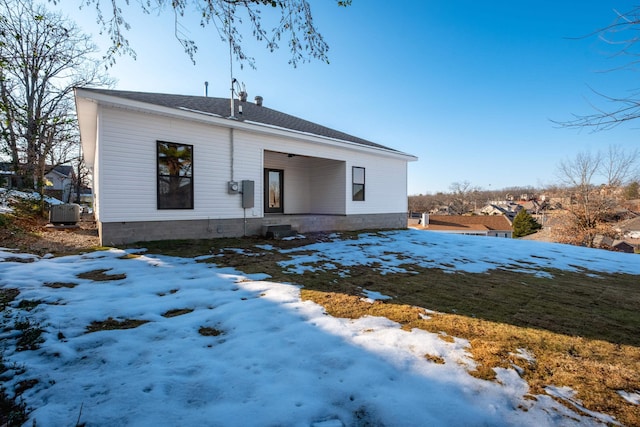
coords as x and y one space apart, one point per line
524 224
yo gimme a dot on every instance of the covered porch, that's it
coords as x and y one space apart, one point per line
295 184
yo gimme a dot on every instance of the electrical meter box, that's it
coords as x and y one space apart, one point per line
247 194
234 187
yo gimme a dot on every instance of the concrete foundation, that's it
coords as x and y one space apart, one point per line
117 233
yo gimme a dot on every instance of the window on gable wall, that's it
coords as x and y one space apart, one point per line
175 175
357 174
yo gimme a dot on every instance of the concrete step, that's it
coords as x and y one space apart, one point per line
279 231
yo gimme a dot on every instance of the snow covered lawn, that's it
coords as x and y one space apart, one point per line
218 347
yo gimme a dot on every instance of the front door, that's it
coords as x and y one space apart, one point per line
273 190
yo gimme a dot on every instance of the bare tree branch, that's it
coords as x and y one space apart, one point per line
42 56
622 33
295 25
620 167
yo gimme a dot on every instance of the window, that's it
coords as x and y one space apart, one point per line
273 190
175 175
358 183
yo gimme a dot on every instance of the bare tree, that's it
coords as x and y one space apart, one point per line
619 166
463 197
578 173
588 207
622 34
294 24
42 57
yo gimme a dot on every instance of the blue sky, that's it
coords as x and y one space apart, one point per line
468 87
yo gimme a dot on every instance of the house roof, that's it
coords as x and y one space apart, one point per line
63 170
632 224
251 113
468 223
6 168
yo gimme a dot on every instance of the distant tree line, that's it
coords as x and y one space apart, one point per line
589 197
463 198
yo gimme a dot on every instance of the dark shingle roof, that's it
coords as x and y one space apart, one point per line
64 170
250 113
461 222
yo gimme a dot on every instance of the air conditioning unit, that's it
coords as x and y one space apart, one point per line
67 214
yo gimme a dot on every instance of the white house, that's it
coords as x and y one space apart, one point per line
61 182
172 166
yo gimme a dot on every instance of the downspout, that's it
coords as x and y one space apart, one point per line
232 148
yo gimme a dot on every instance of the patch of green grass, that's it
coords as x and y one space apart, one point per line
435 359
130 256
20 260
7 295
177 312
5 220
28 305
111 324
13 412
101 275
209 332
59 285
25 385
198 247
570 303
30 335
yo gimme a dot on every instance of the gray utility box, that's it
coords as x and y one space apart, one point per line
247 194
67 214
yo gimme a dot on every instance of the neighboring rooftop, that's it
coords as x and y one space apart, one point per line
251 113
63 170
471 223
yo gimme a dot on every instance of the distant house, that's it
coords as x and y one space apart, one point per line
602 241
61 181
476 225
507 208
441 210
606 242
533 206
7 175
630 228
622 246
178 167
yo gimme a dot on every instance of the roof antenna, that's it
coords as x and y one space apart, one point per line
237 88
232 116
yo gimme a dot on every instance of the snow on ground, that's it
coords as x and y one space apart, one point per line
278 360
5 195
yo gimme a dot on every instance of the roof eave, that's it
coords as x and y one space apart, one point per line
87 114
85 99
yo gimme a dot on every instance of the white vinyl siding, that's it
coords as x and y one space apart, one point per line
327 178
317 178
96 178
129 191
385 188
